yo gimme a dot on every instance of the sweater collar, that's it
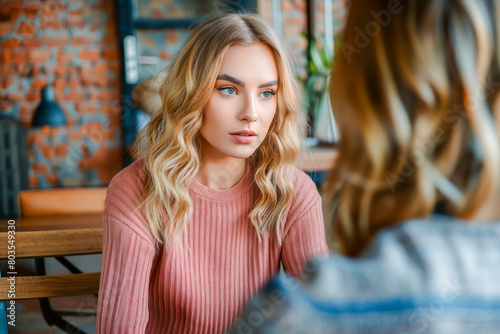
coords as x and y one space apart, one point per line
242 186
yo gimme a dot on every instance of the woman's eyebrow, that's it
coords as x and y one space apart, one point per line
269 84
227 77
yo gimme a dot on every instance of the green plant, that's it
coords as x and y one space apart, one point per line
319 64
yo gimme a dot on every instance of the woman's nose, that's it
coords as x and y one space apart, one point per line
249 111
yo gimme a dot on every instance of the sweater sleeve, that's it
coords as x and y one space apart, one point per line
123 290
304 234
127 258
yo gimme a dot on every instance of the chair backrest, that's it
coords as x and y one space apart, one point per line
61 201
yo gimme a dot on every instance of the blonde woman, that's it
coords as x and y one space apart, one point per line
198 225
415 192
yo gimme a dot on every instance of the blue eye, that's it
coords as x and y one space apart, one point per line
227 90
267 94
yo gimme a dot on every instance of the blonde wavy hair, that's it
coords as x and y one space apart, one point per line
170 145
413 90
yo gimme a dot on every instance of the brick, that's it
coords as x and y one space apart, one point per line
78 11
75 135
7 81
24 111
6 70
33 179
26 28
93 79
86 70
48 151
295 22
52 179
14 97
33 95
115 66
172 38
56 41
15 13
34 42
6 56
50 8
38 83
4 14
39 167
62 149
75 96
6 27
111 54
109 39
23 68
109 94
74 82
101 69
82 40
60 70
59 95
47 23
59 84
6 105
89 54
39 55
39 137
75 21
19 56
37 69
64 56
11 43
29 9
95 26
90 107
165 55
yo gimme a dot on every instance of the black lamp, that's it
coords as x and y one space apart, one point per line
48 112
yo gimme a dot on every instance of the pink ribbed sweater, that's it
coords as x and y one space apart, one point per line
201 289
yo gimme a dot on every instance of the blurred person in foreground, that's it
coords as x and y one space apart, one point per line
413 199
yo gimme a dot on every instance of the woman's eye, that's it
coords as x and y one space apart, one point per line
267 94
227 90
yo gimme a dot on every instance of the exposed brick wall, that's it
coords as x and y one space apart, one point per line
72 46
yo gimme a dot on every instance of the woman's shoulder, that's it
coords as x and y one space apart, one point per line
306 192
300 178
124 196
129 179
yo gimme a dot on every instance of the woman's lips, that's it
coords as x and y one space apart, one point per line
243 139
244 136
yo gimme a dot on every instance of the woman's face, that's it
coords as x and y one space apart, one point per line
243 103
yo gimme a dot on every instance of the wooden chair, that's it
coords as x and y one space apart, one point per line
55 202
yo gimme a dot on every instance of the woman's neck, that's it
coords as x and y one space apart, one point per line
223 174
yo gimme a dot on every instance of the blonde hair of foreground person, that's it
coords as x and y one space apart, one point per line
171 142
414 102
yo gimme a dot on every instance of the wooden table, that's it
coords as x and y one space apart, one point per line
49 236
44 236
317 158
